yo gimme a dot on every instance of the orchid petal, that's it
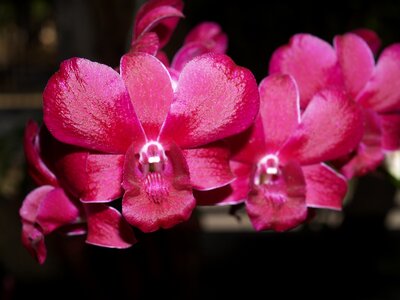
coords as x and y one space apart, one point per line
369 153
356 62
210 35
160 16
370 37
311 61
150 89
148 43
157 200
280 204
214 99
279 109
381 93
107 228
390 131
331 127
86 104
234 193
33 240
325 187
209 166
36 167
187 53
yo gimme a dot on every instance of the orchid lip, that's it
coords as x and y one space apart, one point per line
267 169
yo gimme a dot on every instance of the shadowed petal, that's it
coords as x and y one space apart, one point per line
325 187
159 16
356 62
369 154
157 199
36 167
381 92
310 60
209 166
214 99
33 240
331 127
86 104
107 228
371 38
249 146
279 204
279 109
210 35
148 43
390 131
149 86
234 193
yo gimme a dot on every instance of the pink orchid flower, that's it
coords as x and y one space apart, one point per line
279 169
158 137
51 207
350 66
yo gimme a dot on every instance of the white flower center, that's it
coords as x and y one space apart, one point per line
267 169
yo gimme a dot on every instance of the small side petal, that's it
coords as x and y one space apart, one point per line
150 89
209 166
209 34
356 62
234 193
33 240
107 228
279 109
311 61
157 199
331 126
325 187
390 131
30 205
187 53
36 167
280 204
214 99
86 104
381 92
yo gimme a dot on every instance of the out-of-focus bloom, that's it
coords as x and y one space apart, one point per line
350 66
280 170
51 207
157 139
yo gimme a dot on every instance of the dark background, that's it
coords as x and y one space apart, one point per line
356 258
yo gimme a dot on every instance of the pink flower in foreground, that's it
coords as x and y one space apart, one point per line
280 170
350 66
50 207
157 139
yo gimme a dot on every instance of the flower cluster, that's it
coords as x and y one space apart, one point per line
167 136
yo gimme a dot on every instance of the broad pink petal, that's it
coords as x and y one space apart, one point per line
157 199
249 146
149 86
370 37
160 16
86 104
280 204
356 62
104 178
107 228
33 240
381 92
325 187
390 131
311 61
187 53
36 167
330 127
369 154
234 193
209 166
210 35
279 110
214 99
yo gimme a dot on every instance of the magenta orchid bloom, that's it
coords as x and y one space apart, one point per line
50 207
280 170
350 66
156 137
